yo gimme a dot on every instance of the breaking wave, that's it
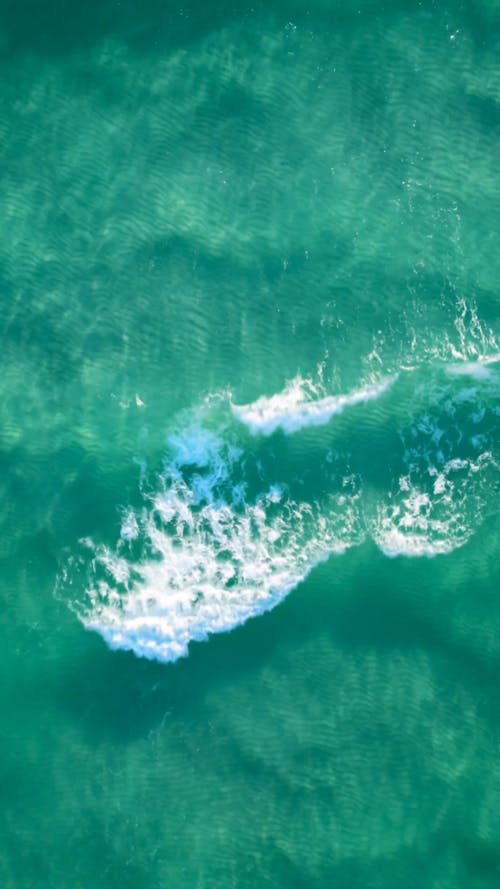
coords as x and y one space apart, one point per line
226 530
199 558
299 406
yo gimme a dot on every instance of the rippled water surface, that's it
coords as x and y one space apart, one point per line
250 445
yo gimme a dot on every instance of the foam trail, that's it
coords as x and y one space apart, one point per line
295 407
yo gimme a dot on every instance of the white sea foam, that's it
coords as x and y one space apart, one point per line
205 565
470 347
129 528
476 369
394 542
298 406
409 524
490 359
431 517
440 500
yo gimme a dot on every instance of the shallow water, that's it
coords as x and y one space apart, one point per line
250 445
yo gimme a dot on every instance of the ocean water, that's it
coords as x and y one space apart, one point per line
250 445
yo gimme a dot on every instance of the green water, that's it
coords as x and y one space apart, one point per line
250 445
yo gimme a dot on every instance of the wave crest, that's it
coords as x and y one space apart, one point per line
298 406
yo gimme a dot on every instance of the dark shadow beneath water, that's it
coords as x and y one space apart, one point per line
57 28
362 599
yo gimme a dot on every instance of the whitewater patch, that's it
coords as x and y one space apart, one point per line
420 525
480 370
299 406
438 504
198 559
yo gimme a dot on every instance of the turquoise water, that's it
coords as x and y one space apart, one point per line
250 445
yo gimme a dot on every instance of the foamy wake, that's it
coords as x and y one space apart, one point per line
298 405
